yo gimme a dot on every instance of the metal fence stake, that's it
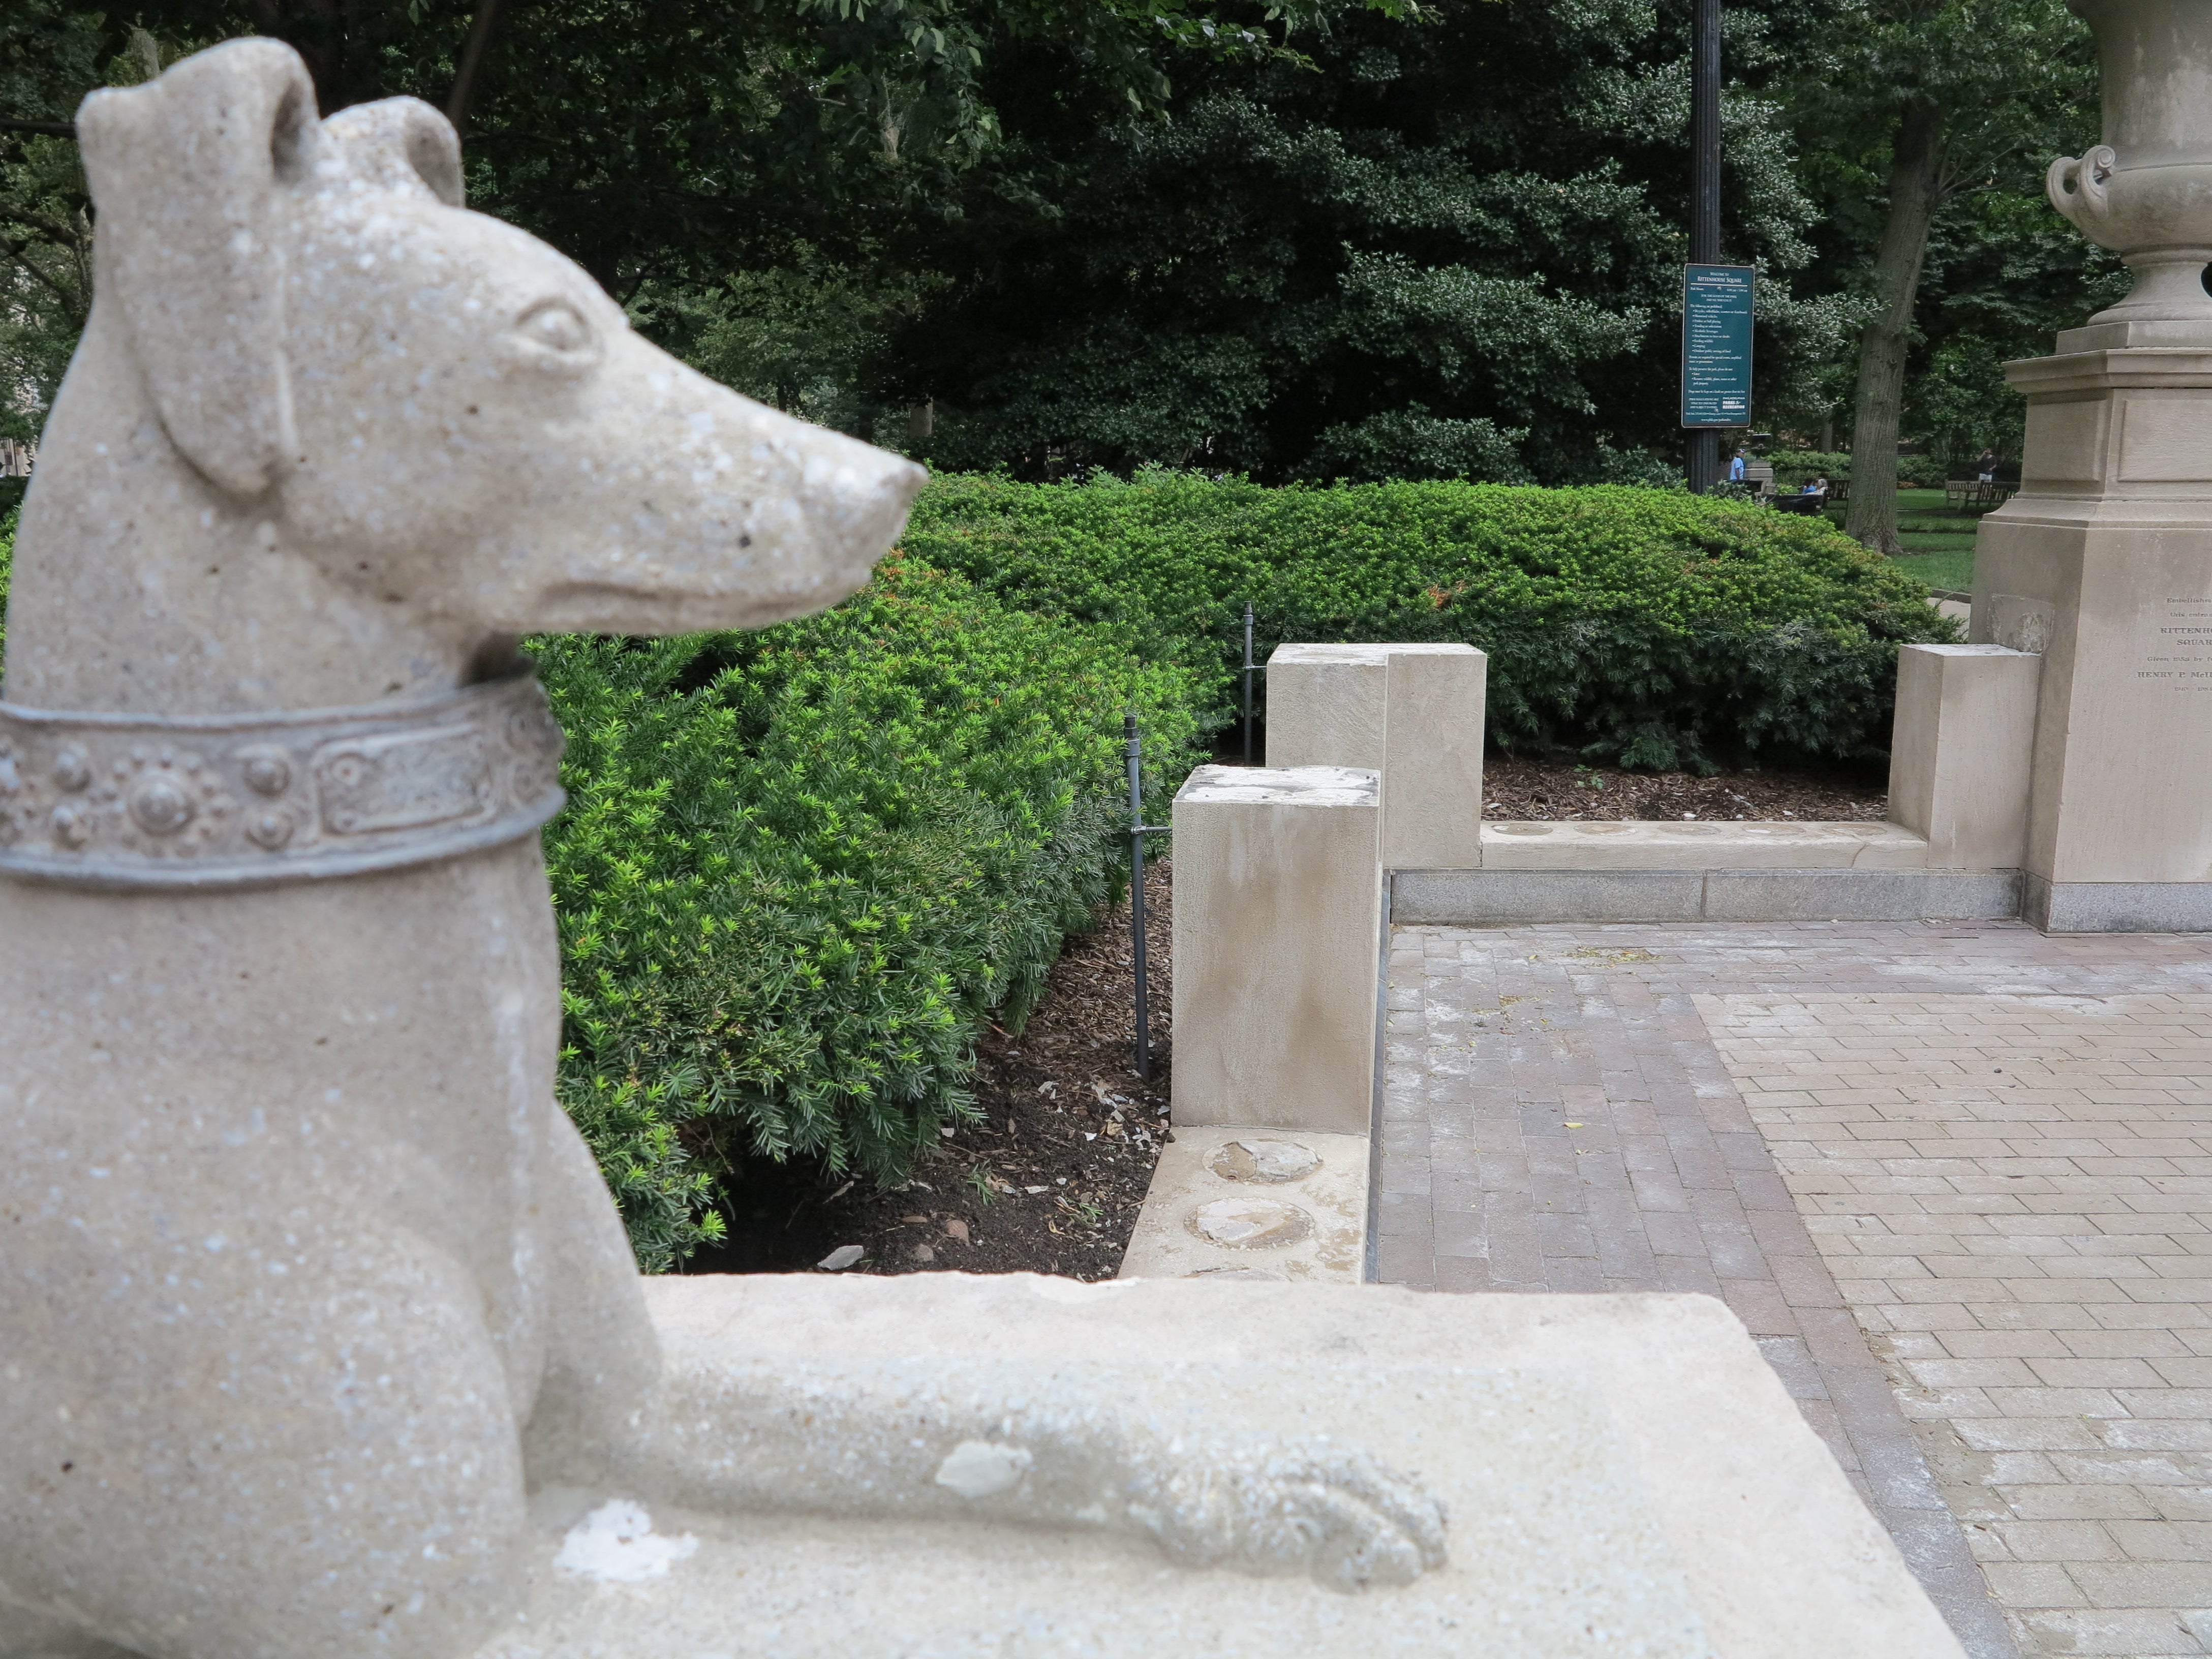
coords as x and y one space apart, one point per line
1137 830
1248 682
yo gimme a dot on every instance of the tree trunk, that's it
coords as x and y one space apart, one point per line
1914 180
464 77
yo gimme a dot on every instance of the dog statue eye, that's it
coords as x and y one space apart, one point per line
555 328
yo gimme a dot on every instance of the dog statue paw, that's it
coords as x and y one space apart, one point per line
1334 1514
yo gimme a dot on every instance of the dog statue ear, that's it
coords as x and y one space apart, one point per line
184 172
399 143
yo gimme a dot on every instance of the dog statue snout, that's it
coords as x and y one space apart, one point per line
712 511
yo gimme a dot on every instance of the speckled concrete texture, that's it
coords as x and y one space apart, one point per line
1776 1554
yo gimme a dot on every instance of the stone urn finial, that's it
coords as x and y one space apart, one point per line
2146 193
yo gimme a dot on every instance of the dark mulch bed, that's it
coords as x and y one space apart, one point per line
1050 1180
1515 788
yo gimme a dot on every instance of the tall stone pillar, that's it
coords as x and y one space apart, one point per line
2103 562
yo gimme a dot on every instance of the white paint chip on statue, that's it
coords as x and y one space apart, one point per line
980 1468
616 1544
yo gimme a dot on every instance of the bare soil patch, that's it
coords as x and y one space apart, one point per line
1515 788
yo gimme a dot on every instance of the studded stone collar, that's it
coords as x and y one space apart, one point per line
137 801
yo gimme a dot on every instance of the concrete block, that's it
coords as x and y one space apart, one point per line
1622 1473
1326 706
1432 757
1661 844
1487 896
2117 907
1413 712
1254 1203
1962 751
1861 895
1277 930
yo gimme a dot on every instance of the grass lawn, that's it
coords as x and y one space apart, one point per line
1938 540
1950 569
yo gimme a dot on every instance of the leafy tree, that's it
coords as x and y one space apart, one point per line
1442 245
1428 241
50 56
1913 111
2004 273
1043 235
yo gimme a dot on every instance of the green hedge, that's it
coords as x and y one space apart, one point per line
798 866
1792 467
1649 627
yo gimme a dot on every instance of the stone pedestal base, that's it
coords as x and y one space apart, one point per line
2103 565
1255 1203
2116 906
1624 1474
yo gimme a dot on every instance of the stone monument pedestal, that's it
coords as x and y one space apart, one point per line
2102 564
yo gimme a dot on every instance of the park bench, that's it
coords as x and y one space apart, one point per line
1976 492
1796 500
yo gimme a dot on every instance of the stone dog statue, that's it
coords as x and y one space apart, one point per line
306 1282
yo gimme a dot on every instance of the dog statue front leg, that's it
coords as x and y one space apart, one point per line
931 1441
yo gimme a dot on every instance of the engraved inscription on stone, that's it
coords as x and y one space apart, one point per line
2178 655
403 780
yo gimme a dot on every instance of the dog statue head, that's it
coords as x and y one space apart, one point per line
333 438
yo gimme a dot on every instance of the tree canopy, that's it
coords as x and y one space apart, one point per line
1308 239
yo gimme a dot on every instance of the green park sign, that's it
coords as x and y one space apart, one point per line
1716 310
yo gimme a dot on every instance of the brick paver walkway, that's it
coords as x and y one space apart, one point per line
1960 1169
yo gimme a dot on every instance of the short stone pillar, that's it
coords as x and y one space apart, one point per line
1960 757
1414 712
1277 942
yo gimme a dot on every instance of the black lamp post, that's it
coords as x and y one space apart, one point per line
1706 196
